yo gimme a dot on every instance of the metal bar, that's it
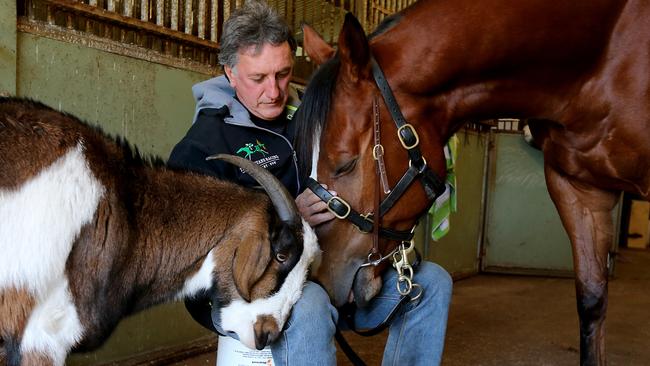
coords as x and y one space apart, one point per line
50 17
214 19
201 25
226 10
144 10
95 13
110 5
188 16
160 7
174 15
128 8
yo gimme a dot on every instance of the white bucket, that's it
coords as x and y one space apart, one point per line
231 352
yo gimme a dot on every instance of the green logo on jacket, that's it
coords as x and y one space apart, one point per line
249 149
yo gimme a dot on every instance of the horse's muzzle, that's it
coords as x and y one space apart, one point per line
366 286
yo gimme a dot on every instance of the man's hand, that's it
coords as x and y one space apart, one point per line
312 208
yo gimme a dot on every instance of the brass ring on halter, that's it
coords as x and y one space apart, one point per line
366 217
377 151
376 261
425 164
401 139
342 202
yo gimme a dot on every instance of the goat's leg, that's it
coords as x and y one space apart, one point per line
586 215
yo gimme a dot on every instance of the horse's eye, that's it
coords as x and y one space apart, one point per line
345 168
281 257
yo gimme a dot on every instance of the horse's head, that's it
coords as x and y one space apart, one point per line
341 107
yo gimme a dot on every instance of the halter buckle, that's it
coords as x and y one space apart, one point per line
377 151
422 168
342 202
368 217
401 138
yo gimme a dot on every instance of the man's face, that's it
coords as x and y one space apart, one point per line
262 80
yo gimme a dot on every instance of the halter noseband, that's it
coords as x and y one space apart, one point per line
418 168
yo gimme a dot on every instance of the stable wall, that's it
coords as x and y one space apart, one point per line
457 252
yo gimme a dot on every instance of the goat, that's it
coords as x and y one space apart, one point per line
90 232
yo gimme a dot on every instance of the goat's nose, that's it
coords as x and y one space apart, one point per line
266 331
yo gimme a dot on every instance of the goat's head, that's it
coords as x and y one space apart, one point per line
269 268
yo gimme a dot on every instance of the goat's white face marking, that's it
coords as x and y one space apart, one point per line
240 316
41 220
202 280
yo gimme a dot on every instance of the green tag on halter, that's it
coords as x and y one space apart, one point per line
446 203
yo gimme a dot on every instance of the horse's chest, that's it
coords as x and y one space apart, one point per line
610 161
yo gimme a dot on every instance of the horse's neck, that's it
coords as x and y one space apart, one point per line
480 60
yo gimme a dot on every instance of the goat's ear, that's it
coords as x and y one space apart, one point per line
249 263
318 50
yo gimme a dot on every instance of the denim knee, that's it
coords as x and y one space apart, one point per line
435 280
313 309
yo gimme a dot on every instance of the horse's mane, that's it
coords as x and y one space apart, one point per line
312 114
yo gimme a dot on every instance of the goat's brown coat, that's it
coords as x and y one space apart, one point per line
150 232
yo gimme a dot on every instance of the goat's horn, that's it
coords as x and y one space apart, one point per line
282 201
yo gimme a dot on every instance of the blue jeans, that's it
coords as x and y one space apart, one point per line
416 335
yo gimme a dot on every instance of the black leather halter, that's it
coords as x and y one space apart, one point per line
433 185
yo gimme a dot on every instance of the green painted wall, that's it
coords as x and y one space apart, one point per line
523 228
457 251
7 47
149 104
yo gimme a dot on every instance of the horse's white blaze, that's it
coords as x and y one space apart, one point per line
314 158
53 326
240 316
202 280
41 220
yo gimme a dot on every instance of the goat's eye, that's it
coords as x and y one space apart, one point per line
345 168
281 257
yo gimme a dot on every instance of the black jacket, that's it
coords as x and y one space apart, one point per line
222 125
210 135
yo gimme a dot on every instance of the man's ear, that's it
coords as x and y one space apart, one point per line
315 46
230 75
249 264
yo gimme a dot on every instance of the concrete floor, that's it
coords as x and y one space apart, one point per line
498 320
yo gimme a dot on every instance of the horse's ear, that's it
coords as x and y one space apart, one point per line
354 49
315 46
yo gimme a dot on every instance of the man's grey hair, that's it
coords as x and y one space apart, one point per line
255 24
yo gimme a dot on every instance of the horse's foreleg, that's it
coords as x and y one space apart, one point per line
586 215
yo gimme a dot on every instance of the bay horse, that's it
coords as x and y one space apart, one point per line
581 69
